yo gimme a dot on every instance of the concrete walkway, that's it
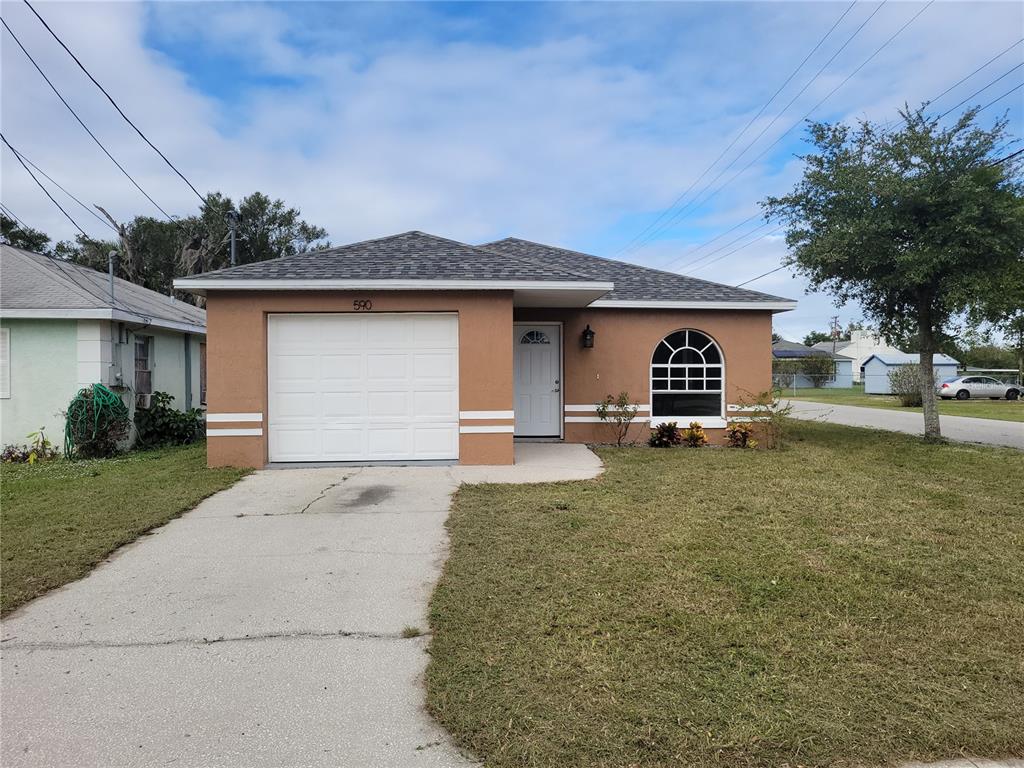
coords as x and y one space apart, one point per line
264 628
960 428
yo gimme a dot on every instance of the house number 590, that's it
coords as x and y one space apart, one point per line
362 305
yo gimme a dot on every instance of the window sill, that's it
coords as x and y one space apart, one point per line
708 422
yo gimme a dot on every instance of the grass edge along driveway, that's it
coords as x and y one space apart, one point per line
58 519
856 599
977 408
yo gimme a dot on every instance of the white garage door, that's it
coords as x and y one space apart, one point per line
378 387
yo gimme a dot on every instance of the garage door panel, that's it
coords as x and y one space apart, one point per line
363 387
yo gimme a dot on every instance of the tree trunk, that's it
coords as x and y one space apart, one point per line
932 430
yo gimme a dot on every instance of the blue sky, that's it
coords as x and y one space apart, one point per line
577 124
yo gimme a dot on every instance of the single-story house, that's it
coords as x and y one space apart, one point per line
782 350
62 328
860 346
877 368
415 347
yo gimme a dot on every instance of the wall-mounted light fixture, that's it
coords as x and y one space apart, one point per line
588 338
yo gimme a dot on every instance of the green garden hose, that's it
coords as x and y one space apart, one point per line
95 402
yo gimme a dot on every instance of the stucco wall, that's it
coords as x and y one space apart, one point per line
621 357
43 378
237 361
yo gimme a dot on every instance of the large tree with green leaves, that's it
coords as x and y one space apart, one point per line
12 233
918 223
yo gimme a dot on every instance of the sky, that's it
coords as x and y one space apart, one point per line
575 124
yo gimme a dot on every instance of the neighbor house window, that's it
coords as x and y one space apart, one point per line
143 370
686 377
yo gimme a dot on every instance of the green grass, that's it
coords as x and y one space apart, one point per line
854 599
58 519
1002 410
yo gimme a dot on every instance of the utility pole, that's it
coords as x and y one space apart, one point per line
835 332
233 219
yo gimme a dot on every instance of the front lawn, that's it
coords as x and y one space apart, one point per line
1002 410
854 599
58 519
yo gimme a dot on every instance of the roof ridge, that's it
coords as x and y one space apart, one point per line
631 264
535 262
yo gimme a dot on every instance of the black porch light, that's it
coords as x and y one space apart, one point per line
588 337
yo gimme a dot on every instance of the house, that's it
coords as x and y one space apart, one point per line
785 351
877 368
62 328
415 347
860 346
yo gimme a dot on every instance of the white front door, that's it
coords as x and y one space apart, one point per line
363 387
538 386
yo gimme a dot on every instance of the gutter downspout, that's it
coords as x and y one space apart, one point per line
110 271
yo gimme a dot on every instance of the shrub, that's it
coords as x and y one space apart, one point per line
695 436
740 434
665 435
41 449
771 413
619 413
161 424
905 383
97 422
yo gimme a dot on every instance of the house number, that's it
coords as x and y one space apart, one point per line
362 305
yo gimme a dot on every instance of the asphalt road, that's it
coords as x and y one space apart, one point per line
960 428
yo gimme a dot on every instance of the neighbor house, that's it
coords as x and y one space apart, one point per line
861 345
878 367
785 374
63 328
414 347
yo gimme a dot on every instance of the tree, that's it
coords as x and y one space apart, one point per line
917 223
814 337
30 239
776 337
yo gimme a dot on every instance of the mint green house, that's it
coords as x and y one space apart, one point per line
62 327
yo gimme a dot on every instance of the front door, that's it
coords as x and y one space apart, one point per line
538 386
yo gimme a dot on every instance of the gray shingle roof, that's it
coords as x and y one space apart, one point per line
790 349
37 283
408 256
420 256
632 282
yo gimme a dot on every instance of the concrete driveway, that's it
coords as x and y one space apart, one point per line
964 429
264 628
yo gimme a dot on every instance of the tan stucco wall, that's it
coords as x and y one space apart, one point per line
237 360
621 356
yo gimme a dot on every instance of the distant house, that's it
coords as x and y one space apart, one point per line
61 330
877 367
860 346
842 366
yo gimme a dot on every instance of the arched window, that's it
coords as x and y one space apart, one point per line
686 378
535 337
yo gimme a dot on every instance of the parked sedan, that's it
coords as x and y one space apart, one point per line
966 387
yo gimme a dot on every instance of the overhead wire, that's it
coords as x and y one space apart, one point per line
968 77
82 122
675 218
114 103
744 130
40 185
13 216
47 176
985 88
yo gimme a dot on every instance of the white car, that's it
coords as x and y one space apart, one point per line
966 387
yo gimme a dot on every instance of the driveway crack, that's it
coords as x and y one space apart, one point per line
12 644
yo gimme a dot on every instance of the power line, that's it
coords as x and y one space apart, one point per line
968 77
745 128
82 122
745 245
720 248
12 215
751 280
691 205
114 103
984 88
56 184
1000 98
822 101
40 185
